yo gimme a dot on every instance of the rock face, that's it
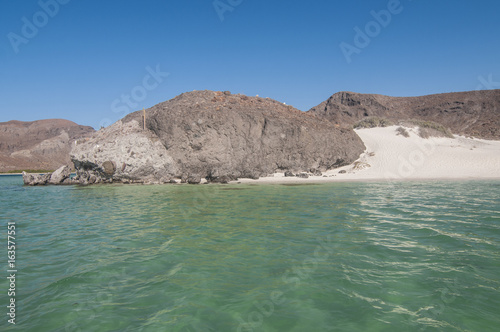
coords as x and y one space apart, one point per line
123 152
217 136
474 113
43 144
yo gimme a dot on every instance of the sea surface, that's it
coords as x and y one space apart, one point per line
388 256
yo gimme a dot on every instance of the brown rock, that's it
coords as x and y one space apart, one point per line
194 179
254 138
109 167
217 136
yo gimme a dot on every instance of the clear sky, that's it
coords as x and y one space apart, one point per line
93 61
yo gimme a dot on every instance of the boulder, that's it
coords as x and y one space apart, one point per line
109 167
92 179
60 175
219 179
194 179
315 172
224 179
69 181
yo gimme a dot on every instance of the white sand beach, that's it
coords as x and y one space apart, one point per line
389 156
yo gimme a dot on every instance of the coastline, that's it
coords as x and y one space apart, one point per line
392 157
319 180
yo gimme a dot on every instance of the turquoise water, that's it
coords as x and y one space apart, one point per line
410 256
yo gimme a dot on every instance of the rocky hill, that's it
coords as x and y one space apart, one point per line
42 145
214 135
474 113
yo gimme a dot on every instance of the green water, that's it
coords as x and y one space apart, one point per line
414 256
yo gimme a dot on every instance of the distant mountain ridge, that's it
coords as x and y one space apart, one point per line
473 113
42 144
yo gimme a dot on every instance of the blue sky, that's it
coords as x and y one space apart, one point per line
85 57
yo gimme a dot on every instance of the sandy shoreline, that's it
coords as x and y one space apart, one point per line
389 156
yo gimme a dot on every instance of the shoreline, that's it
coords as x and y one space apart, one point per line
390 156
319 180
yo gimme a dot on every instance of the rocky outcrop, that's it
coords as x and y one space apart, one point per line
123 152
60 176
474 113
217 136
43 144
35 179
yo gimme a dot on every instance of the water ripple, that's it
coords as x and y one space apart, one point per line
353 256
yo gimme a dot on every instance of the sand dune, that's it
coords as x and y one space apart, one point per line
390 156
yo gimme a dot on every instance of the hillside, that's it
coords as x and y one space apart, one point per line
43 144
474 113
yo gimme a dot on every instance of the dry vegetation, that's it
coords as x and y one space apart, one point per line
403 132
373 122
426 128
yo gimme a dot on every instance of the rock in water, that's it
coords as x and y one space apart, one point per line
214 135
28 178
35 179
60 175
